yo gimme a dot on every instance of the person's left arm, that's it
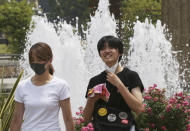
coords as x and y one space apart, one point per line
133 98
67 114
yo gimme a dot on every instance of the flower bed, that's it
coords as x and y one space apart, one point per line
162 114
80 124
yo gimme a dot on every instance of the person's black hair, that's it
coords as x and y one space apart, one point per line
113 42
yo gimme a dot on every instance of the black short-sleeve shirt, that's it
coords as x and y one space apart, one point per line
129 78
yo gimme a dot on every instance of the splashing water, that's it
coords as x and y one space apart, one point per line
152 57
102 23
77 60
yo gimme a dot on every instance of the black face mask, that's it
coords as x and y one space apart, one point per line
38 68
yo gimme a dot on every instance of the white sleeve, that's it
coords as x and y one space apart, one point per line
64 92
18 96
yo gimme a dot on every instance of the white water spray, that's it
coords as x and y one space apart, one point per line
152 57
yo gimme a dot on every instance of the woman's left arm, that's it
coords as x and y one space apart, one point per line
67 114
133 98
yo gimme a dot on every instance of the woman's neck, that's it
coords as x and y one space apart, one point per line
41 79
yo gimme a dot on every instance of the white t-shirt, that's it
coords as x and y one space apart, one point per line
41 103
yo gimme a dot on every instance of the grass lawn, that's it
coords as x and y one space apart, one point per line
4 49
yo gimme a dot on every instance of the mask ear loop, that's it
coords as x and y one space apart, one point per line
48 66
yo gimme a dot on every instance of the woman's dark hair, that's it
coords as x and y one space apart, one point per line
113 42
43 52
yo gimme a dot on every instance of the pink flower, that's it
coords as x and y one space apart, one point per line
163 128
91 129
74 118
149 109
172 101
84 129
188 126
155 85
178 106
90 125
147 97
180 94
156 99
185 103
168 108
81 112
77 113
81 108
152 88
81 119
78 122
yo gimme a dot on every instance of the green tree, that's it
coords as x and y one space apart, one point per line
15 18
68 10
2 1
133 10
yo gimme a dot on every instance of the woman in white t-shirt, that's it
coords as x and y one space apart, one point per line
38 99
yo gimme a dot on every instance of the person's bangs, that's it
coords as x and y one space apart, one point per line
110 44
113 44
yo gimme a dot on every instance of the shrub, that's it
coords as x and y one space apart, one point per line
80 124
162 113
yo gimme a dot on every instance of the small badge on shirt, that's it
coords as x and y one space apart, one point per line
123 115
102 111
124 121
111 117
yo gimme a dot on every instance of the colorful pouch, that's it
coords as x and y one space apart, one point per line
99 89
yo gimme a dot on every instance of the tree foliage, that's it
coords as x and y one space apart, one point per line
15 18
150 9
133 10
68 10
2 1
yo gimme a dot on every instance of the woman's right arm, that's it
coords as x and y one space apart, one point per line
17 117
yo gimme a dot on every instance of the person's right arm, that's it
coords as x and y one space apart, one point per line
17 117
89 108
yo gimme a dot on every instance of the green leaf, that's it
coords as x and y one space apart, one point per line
11 96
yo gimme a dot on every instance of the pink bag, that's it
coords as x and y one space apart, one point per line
99 89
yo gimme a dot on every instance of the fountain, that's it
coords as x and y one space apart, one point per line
151 55
77 60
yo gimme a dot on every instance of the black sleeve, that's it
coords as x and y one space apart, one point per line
90 85
135 81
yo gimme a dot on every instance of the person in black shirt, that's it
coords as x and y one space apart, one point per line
125 88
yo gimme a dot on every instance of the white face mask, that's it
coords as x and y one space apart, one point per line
113 68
